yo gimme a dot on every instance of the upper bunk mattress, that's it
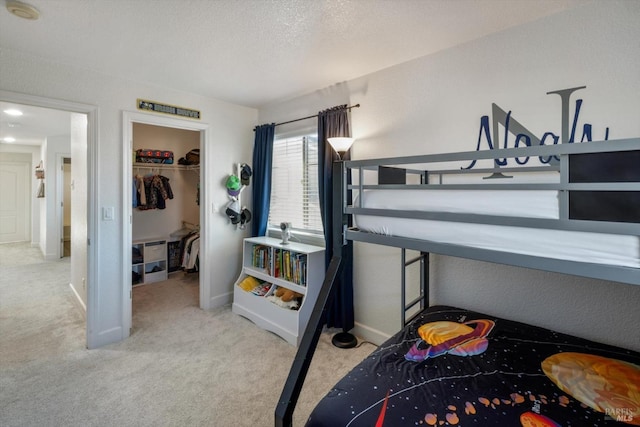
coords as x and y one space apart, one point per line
599 248
455 367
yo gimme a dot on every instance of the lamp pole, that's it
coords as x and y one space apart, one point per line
342 339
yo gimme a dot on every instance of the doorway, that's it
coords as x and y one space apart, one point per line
64 205
80 140
129 120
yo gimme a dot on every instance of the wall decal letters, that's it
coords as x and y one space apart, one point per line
523 137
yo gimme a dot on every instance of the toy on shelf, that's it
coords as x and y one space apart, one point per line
286 298
287 295
249 283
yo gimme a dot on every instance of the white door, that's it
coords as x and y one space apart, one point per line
14 202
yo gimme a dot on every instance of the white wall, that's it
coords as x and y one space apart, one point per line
50 237
79 206
434 104
231 141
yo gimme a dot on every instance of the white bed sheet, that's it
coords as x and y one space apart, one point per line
530 203
610 249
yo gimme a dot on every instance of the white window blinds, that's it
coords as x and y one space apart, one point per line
294 184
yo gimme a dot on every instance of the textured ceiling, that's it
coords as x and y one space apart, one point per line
253 52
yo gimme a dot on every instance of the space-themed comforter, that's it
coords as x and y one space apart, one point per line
453 367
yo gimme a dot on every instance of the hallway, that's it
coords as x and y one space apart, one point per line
37 307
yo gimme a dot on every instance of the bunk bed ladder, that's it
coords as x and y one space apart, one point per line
423 298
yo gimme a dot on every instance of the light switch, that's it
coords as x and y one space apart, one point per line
107 213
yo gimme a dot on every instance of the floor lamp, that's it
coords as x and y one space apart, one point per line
341 145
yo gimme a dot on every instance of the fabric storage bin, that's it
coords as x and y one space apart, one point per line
155 251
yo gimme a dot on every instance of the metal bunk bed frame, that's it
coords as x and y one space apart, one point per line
563 152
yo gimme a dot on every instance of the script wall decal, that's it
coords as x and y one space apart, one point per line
523 137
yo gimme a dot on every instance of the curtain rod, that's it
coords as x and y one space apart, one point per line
309 117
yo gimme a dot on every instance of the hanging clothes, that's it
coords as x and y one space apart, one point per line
167 187
142 196
190 249
134 195
193 255
153 192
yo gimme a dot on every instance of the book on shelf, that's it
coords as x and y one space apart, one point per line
277 267
262 289
291 266
261 258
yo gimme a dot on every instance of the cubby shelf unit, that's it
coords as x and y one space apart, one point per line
287 323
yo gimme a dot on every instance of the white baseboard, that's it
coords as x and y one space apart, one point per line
103 338
220 300
79 300
367 333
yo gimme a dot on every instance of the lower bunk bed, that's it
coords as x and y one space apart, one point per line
456 367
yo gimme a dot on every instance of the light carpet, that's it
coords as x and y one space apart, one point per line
181 366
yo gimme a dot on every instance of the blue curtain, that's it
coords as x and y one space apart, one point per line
331 123
262 162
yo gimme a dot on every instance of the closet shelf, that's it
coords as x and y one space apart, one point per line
150 264
163 166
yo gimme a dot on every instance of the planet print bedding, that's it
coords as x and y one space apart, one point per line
454 367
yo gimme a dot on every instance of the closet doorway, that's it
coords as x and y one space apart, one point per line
64 182
165 237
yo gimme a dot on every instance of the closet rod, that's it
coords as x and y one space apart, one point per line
308 117
166 166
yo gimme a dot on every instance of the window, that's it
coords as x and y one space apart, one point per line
294 184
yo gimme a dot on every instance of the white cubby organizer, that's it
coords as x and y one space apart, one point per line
153 265
301 270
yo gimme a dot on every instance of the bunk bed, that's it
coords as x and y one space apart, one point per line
569 208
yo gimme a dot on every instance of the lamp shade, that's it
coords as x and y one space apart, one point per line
341 144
